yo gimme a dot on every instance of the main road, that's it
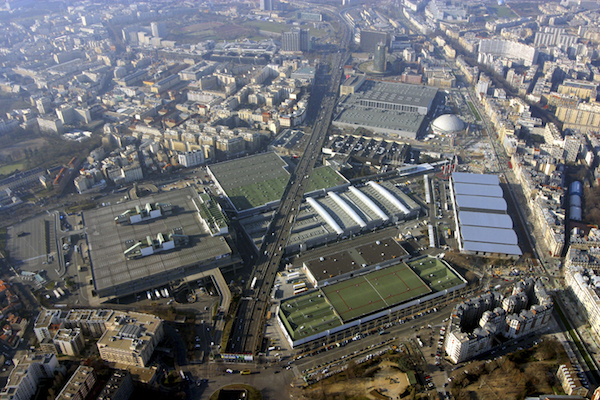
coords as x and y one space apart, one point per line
247 331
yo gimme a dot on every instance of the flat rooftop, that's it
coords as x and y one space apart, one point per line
397 93
479 179
470 189
485 219
253 181
489 235
387 107
288 139
381 251
115 275
484 225
334 305
324 178
497 204
374 150
354 114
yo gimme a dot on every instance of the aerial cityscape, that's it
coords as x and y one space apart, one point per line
327 199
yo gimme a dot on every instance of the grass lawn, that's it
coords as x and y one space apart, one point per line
474 111
10 168
502 11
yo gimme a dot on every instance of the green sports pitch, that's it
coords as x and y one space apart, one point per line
337 304
375 291
435 273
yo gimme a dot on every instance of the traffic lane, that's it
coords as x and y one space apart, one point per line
275 258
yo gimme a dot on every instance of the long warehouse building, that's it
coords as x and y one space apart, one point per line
326 216
483 226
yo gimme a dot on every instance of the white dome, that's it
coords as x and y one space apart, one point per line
447 123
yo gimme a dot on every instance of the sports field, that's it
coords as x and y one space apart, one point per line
334 305
435 273
307 315
375 291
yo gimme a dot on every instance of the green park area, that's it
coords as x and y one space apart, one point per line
501 11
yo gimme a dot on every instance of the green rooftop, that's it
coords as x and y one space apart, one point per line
333 305
254 181
323 178
435 273
308 314
211 212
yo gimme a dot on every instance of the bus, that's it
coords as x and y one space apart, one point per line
253 284
301 290
293 275
299 285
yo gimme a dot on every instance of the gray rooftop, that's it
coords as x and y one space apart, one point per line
236 173
381 252
397 93
488 235
481 203
386 107
397 121
479 179
477 190
492 248
114 274
485 219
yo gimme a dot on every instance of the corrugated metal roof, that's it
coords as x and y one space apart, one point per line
480 179
485 219
481 203
488 235
477 190
492 248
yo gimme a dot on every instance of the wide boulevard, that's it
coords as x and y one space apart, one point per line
247 331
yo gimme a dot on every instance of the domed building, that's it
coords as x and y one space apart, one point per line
447 124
